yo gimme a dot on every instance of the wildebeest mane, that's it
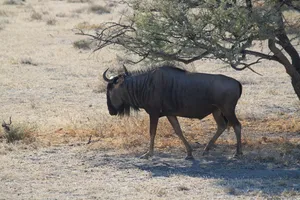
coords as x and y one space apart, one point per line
151 68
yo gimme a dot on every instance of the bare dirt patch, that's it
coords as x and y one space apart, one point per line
48 84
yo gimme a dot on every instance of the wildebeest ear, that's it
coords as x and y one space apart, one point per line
125 69
120 80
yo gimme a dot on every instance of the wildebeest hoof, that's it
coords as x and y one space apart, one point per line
238 155
205 153
189 157
145 156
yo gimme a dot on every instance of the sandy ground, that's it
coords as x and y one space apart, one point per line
77 172
47 83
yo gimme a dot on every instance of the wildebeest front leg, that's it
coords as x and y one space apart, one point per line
176 126
153 127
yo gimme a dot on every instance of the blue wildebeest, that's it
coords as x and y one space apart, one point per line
171 92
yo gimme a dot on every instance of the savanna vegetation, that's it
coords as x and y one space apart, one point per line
61 141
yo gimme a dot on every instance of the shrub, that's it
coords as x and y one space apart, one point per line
36 16
27 61
82 44
51 21
98 9
18 132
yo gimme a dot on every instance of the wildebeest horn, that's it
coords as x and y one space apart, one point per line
105 78
125 69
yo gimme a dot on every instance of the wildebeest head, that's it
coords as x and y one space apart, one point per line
115 94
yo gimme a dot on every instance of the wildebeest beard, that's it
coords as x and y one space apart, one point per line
123 110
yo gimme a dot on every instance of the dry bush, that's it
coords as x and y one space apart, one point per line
28 61
83 44
98 9
61 14
36 16
51 21
20 132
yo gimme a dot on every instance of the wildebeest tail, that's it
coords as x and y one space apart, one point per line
241 89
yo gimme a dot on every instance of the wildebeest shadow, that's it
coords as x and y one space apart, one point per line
242 175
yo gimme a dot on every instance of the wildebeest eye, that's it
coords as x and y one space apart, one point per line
119 79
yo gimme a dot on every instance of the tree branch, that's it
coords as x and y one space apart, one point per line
246 66
283 59
290 4
176 58
261 55
249 5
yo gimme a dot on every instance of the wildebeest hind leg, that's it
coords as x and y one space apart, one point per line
237 129
153 127
234 122
222 125
176 126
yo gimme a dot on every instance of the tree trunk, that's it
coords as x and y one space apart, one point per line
296 86
291 68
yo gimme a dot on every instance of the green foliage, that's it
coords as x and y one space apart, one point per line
190 30
176 26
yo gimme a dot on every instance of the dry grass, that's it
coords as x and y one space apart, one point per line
4 19
13 2
36 16
3 13
79 1
263 142
133 133
87 26
51 21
